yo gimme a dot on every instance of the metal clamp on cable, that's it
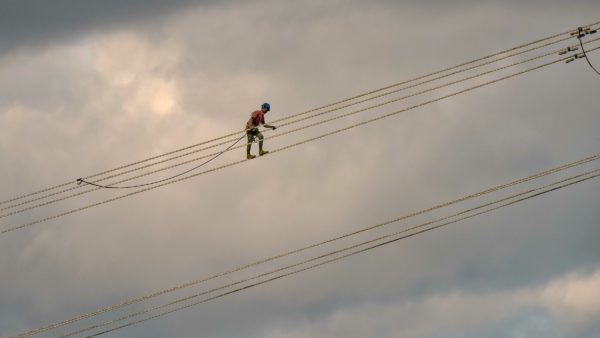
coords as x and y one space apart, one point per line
575 57
568 49
581 32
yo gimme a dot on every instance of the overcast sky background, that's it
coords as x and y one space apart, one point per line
87 86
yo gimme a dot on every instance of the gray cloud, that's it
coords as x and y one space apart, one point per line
33 22
126 93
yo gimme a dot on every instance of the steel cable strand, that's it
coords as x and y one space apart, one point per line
228 141
344 115
322 243
391 238
309 111
275 136
4 231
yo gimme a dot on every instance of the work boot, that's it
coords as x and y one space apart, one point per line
250 156
262 152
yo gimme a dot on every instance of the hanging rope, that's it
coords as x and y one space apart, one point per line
81 180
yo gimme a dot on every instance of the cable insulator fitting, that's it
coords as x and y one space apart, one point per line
568 49
581 32
575 57
571 59
577 32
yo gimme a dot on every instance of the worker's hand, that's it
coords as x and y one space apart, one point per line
273 127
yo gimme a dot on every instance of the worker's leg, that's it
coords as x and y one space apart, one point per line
261 152
250 134
249 145
260 140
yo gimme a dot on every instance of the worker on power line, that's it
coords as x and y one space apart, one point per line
256 119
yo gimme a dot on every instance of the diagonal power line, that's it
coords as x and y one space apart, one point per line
231 148
76 187
72 187
387 239
4 231
592 174
319 244
306 112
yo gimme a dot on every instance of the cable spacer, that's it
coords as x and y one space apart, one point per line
568 49
577 32
575 57
581 32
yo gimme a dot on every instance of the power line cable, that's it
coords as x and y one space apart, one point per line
225 142
238 140
406 233
356 103
95 183
322 113
283 148
112 185
312 110
218 144
149 296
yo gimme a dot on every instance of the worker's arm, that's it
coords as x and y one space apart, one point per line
269 126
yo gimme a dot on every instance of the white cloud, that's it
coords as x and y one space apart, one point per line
575 299
563 307
138 71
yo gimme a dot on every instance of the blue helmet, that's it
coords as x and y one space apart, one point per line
266 106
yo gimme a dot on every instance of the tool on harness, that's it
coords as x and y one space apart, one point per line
252 133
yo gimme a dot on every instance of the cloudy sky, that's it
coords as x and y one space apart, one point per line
89 86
